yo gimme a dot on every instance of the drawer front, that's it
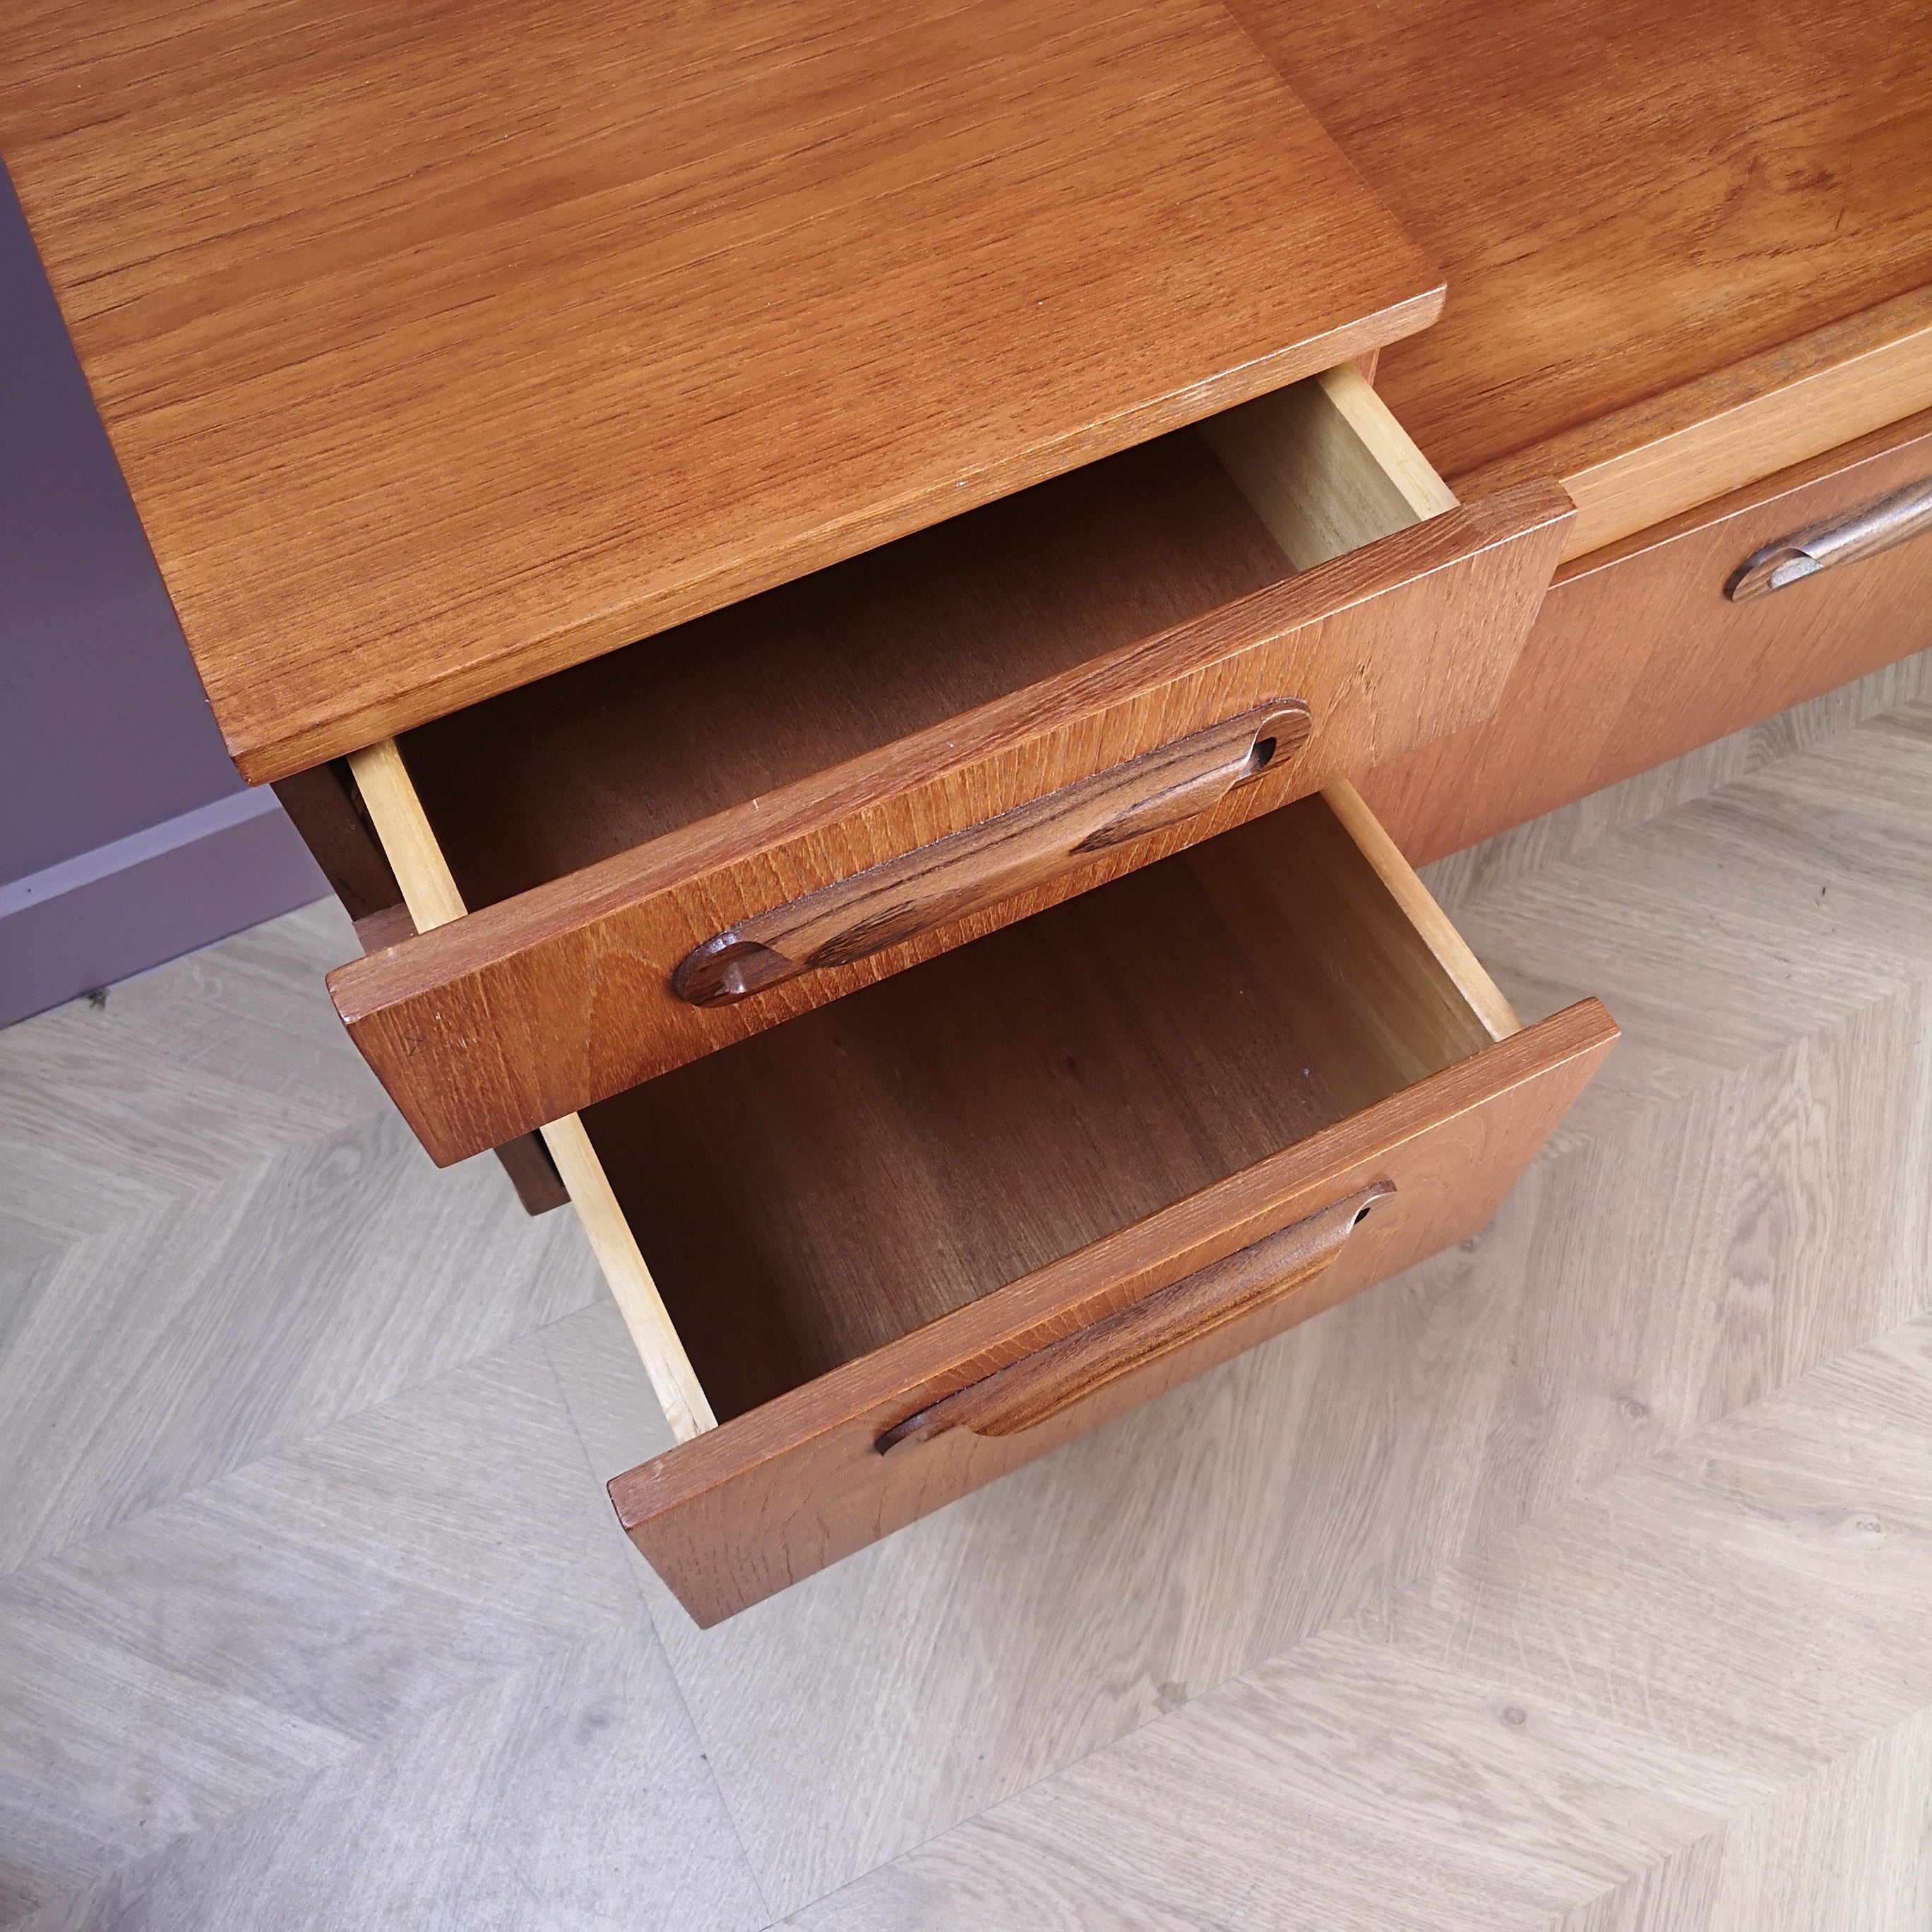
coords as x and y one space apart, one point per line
746 1509
1639 656
527 1010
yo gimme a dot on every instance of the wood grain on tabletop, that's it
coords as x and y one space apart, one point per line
1638 657
776 1494
1387 645
444 347
1628 199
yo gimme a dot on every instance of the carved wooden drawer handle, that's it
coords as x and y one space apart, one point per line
1892 520
986 863
1039 1386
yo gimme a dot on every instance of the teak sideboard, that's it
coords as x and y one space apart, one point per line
870 609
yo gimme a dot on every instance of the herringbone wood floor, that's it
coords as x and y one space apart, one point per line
1582 1578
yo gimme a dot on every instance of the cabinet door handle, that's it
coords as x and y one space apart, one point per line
1039 1386
1906 513
977 867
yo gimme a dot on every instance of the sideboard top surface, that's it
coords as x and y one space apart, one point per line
442 346
1626 197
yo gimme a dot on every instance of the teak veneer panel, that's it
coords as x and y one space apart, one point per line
1637 656
1641 209
1640 466
539 1006
821 1190
442 347
560 773
773 1495
1385 990
576 768
860 1213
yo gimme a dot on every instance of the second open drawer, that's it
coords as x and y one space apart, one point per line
672 848
877 1257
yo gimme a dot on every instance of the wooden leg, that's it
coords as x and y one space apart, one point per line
322 807
533 1173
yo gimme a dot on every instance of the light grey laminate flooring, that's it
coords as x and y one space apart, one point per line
1581 1578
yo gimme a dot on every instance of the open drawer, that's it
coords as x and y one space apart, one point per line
651 856
877 1257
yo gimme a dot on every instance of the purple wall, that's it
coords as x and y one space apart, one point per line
126 836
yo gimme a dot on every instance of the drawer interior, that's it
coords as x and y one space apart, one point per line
816 1191
544 781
